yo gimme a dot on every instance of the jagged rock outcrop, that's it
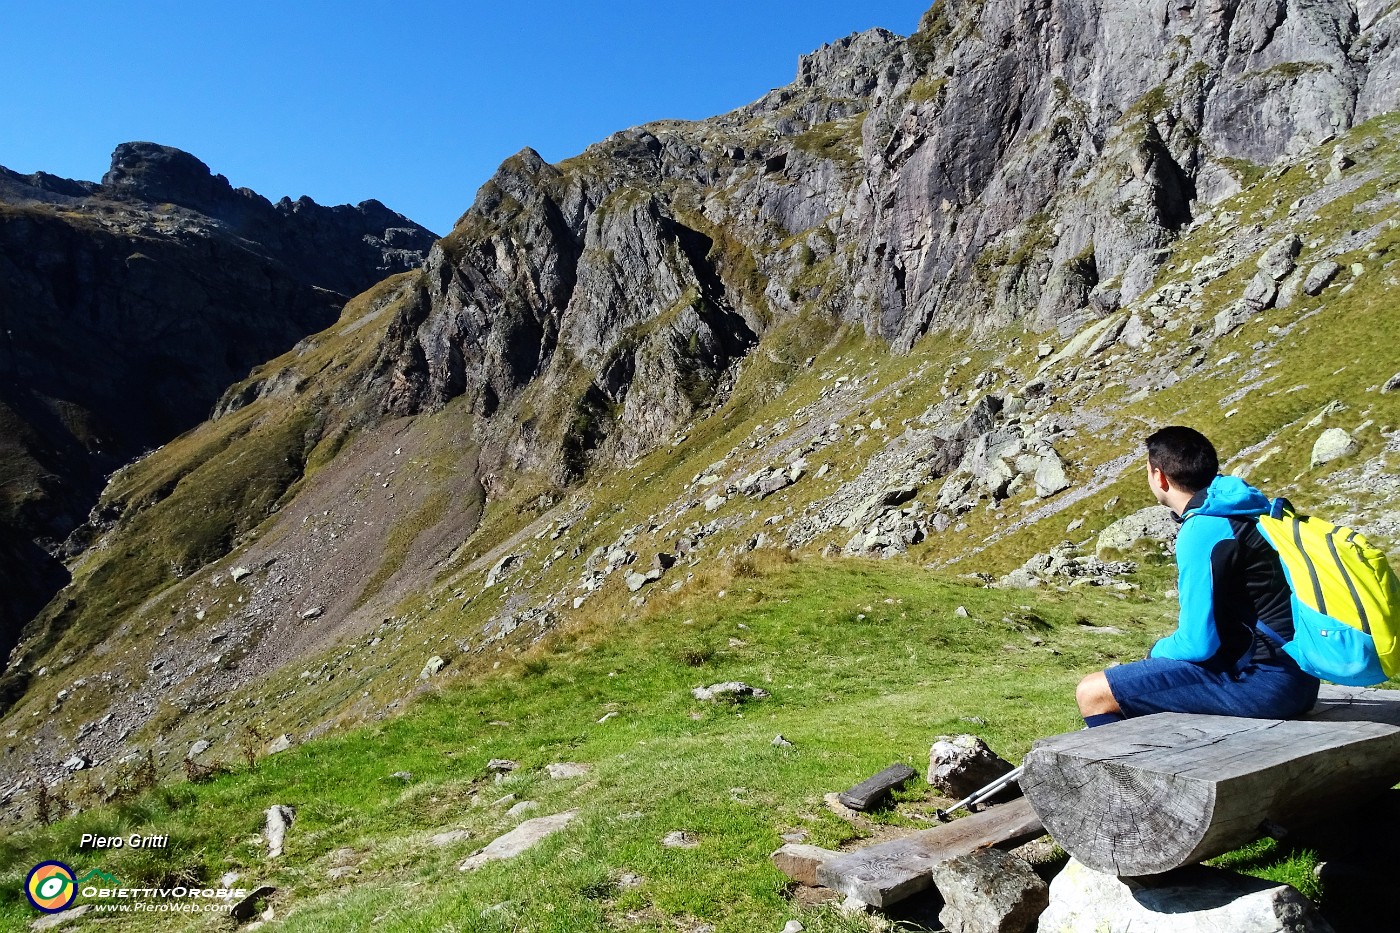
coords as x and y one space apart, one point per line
1018 159
129 306
1038 150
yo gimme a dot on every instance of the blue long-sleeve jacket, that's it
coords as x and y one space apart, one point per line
1228 578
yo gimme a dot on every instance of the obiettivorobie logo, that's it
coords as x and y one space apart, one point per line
52 887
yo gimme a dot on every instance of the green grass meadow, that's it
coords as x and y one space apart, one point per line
866 664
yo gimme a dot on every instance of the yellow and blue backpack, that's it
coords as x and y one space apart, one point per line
1346 599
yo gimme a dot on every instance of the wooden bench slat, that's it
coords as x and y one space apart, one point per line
888 872
872 790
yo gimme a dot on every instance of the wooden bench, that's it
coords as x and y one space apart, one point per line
1147 795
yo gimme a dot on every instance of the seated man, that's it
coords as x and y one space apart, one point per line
1229 579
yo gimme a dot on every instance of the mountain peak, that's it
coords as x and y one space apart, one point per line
159 173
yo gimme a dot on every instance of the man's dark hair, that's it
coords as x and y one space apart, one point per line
1184 455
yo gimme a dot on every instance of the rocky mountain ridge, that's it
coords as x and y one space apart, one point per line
130 305
674 349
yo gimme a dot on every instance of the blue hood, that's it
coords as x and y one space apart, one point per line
1229 497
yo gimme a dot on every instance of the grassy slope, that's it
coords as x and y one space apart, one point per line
866 664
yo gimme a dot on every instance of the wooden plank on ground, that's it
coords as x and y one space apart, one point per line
889 872
872 790
1147 795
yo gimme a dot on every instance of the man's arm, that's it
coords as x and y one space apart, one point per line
1196 637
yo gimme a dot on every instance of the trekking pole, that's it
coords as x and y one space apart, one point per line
978 796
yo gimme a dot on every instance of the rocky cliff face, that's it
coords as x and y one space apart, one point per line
1012 161
127 307
1055 214
1045 149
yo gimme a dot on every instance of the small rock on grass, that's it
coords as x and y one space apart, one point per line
854 905
562 770
279 820
729 690
834 804
800 862
53 921
523 837
680 839
451 837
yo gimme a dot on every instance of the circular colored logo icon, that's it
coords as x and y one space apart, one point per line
50 887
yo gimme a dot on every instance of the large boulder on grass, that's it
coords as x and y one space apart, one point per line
1333 444
961 764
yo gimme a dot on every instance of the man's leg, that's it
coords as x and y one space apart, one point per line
1096 701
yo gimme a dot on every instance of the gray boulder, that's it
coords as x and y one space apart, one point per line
732 690
989 891
1135 333
501 568
523 837
1260 292
1154 522
1196 899
1232 316
1050 475
1333 444
1319 275
773 482
961 764
1277 260
433 665
279 819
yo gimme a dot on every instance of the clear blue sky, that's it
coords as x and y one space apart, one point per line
413 103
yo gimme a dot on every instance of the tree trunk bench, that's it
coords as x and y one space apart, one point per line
1147 795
